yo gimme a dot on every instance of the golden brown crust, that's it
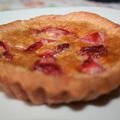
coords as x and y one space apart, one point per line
39 88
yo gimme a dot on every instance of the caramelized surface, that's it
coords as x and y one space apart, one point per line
53 38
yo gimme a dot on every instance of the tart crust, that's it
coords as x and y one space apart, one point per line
39 88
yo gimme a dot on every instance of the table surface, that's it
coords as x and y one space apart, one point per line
23 4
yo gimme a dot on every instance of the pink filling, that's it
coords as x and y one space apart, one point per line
34 47
91 66
63 46
6 53
48 66
95 38
53 32
96 51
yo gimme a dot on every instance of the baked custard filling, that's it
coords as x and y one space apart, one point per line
60 49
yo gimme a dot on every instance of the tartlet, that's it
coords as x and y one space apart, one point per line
56 59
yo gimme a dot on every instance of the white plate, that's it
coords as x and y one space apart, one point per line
107 108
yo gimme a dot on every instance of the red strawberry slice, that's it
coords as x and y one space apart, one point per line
34 47
5 52
37 45
3 45
52 54
52 33
48 66
8 55
55 30
95 38
61 47
91 66
96 51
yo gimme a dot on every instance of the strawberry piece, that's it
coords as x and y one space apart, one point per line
63 46
91 66
5 52
48 66
8 55
3 45
37 45
95 38
52 33
55 30
50 53
34 47
96 51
